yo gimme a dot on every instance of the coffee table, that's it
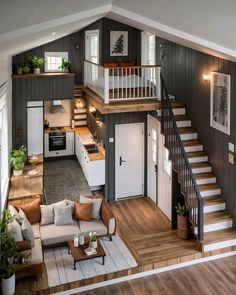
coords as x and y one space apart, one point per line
78 253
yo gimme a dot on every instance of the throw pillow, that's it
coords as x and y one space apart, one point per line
26 228
14 230
12 210
47 214
83 211
31 210
96 205
62 215
60 203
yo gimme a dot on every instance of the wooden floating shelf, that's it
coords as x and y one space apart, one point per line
41 75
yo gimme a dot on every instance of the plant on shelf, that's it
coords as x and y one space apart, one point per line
183 221
36 62
8 254
25 70
93 240
65 65
17 159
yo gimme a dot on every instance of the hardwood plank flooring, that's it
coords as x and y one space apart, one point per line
210 278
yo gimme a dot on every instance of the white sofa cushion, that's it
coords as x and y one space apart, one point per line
112 226
27 231
14 230
52 234
63 215
91 226
96 206
37 253
36 230
47 214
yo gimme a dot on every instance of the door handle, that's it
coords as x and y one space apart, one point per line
121 161
155 168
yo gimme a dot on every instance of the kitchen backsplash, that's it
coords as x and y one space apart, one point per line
58 120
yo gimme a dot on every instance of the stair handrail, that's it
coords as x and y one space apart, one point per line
165 103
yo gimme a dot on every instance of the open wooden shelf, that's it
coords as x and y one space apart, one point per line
41 75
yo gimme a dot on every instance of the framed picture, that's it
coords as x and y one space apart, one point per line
118 43
220 102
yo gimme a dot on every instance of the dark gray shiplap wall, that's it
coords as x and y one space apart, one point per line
182 69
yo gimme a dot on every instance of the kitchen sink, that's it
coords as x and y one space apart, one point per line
91 148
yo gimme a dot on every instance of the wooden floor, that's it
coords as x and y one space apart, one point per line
147 233
210 278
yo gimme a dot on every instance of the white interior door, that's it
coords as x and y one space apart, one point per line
152 164
129 160
164 177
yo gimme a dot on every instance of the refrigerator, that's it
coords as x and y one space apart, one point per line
35 120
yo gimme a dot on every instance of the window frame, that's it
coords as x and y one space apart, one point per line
61 54
146 49
88 35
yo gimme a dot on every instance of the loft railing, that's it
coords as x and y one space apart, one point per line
123 83
180 162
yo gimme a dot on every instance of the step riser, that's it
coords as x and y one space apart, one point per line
213 208
202 170
188 136
206 181
198 159
215 226
196 148
219 245
179 111
209 193
183 124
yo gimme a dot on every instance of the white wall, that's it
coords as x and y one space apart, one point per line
58 120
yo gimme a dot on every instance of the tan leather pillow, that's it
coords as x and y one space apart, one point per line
83 211
31 210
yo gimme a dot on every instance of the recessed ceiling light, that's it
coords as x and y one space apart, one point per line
54 33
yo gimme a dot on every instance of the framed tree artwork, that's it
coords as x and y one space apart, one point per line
118 43
220 102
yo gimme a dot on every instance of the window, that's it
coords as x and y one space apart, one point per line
148 49
4 158
53 61
92 46
167 162
154 146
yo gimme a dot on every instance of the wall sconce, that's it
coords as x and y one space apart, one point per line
80 103
206 76
76 46
163 51
92 109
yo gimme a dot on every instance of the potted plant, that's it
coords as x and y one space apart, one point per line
183 221
25 70
17 159
36 61
19 69
93 240
7 255
65 65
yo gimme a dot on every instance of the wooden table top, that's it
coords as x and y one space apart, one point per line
78 253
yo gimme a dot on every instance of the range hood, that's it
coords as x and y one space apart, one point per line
56 107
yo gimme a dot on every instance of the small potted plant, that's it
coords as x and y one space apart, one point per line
7 255
36 61
17 159
183 221
65 65
25 70
19 69
93 240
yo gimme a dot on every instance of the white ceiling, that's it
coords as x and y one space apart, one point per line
203 25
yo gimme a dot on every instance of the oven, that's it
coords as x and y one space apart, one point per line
57 141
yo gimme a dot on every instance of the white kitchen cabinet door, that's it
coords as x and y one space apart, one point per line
97 173
35 130
70 143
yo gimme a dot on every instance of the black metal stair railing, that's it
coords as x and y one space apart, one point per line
180 163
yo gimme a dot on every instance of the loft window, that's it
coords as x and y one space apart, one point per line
53 61
92 46
148 49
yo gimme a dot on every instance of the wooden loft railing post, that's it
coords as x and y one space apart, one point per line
106 85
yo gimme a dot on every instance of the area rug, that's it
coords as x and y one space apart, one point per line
60 267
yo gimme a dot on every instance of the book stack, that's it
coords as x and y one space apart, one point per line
90 251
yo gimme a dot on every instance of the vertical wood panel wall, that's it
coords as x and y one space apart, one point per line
182 69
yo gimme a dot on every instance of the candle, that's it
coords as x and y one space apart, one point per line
76 241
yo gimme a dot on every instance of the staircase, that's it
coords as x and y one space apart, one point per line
218 232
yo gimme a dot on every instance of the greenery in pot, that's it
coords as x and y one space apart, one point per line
17 158
181 210
26 70
93 237
65 65
36 62
8 246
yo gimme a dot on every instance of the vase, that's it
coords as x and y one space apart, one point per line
37 70
81 240
8 285
93 244
17 172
